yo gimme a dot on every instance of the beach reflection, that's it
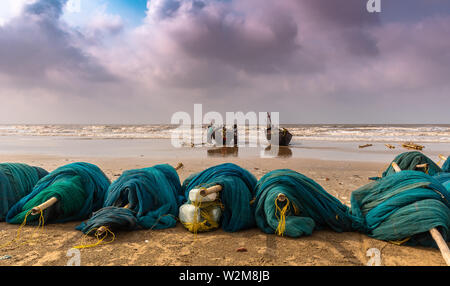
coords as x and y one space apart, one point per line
283 151
223 152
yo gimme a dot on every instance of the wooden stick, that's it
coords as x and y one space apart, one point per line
281 197
390 146
44 206
422 165
396 167
210 190
442 157
443 247
179 166
365 146
101 230
412 146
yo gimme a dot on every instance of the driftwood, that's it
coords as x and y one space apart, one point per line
390 146
364 146
412 146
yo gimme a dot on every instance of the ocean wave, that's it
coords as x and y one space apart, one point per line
326 132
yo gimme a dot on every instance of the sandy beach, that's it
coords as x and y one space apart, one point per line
178 247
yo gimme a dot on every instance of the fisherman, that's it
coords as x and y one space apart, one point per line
235 130
210 133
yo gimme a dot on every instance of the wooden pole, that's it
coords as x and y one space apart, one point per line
179 166
210 190
442 157
422 165
281 197
435 234
442 244
396 167
44 206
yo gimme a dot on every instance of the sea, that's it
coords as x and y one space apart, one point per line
320 141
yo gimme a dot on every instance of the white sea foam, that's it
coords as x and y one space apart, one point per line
347 133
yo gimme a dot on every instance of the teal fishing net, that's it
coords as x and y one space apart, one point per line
236 196
410 160
446 166
403 207
16 181
308 206
444 179
79 188
152 197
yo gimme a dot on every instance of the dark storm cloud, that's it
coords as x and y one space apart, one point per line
37 49
312 60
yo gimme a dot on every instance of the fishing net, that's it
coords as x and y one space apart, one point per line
403 207
16 181
410 160
444 179
446 166
79 188
307 206
234 199
114 218
152 197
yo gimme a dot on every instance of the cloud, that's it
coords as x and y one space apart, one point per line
313 60
37 49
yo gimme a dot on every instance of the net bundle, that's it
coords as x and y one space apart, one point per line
306 207
235 199
16 181
78 187
147 198
403 207
410 161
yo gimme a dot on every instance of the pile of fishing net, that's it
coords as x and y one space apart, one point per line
306 206
232 207
78 187
146 198
403 207
16 181
410 161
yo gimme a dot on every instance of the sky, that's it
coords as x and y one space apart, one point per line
139 62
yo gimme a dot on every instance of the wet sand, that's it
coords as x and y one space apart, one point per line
177 246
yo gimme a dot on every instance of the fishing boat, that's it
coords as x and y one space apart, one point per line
284 135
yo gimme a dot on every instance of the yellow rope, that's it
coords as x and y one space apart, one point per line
441 160
282 218
17 238
400 242
99 240
208 222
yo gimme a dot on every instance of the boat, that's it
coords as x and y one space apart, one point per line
284 135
